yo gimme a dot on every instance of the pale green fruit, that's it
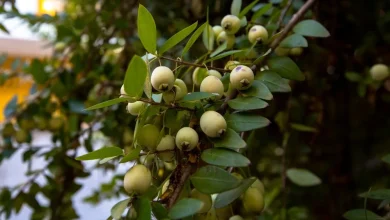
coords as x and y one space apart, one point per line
167 143
134 108
205 198
258 185
257 33
237 175
162 79
253 201
213 124
137 179
230 39
236 217
21 136
56 123
170 96
379 72
40 122
231 64
170 165
128 136
147 160
148 136
183 89
241 77
282 52
198 75
224 212
187 139
212 84
214 73
296 51
217 30
230 24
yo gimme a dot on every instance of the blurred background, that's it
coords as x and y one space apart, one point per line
58 57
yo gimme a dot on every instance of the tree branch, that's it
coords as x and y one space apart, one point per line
194 64
283 14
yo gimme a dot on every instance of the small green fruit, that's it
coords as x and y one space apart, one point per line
205 198
183 89
148 136
257 33
135 108
253 201
296 51
230 39
187 139
282 52
241 77
213 124
27 124
40 122
147 160
379 72
170 96
162 79
21 136
198 75
137 179
8 130
258 185
167 143
217 30
128 136
231 64
230 24
236 217
214 73
56 123
212 84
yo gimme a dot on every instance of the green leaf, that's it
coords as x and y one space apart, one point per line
261 11
303 128
235 7
273 81
229 140
38 71
353 76
147 29
159 211
311 28
3 28
224 54
101 153
361 214
107 103
247 103
132 155
197 96
259 90
286 68
381 194
243 22
219 49
303 177
118 209
294 40
193 38
143 208
10 108
208 38
225 198
211 179
135 77
185 207
386 158
224 157
247 9
179 36
245 122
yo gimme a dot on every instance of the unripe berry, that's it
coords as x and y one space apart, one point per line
167 143
135 108
253 201
183 89
281 51
257 33
241 77
148 136
230 24
214 73
56 123
217 30
231 64
230 39
8 130
205 198
212 84
187 139
137 179
21 136
171 95
258 185
379 72
198 75
236 217
213 124
296 51
162 79
147 160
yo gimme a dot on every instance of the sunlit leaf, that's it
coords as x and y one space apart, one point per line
179 36
101 153
147 29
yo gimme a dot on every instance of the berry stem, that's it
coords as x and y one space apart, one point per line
193 64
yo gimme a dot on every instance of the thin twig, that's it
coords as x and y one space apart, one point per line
283 14
194 64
